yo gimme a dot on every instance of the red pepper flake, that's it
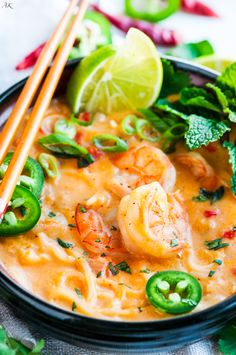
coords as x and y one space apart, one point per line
233 270
30 60
79 137
85 117
211 213
211 147
230 234
197 8
95 152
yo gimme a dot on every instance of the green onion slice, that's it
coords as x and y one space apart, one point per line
110 143
66 127
146 131
49 164
128 124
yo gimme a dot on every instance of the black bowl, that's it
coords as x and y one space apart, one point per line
104 334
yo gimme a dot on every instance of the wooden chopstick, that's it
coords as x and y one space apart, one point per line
27 94
27 138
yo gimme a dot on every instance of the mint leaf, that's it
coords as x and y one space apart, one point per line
203 131
227 340
192 50
173 80
228 78
232 160
223 101
198 97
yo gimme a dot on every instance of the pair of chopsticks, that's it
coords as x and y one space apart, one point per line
49 86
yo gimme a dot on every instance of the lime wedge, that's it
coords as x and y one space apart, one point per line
108 82
213 62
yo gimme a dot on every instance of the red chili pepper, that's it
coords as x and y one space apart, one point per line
31 58
159 35
198 8
211 213
233 270
230 234
95 152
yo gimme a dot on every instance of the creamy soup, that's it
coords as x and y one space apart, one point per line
106 228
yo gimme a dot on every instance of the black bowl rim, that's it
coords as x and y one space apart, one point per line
60 314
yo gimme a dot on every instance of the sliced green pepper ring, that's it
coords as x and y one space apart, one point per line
151 10
22 214
173 292
32 176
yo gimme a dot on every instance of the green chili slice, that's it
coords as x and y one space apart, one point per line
146 131
62 146
65 127
151 10
110 143
32 176
14 221
128 124
49 164
173 292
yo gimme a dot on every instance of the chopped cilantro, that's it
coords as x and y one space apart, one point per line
98 240
78 292
99 274
103 255
51 214
123 266
113 228
72 225
73 306
174 243
212 196
216 244
82 209
203 131
64 244
217 261
145 271
211 273
113 269
140 309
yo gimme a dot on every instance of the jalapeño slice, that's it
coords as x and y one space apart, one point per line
32 176
151 10
22 214
173 292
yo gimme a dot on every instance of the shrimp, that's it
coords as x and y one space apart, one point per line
200 169
95 235
153 222
148 164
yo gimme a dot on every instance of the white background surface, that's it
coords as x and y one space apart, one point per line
31 22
